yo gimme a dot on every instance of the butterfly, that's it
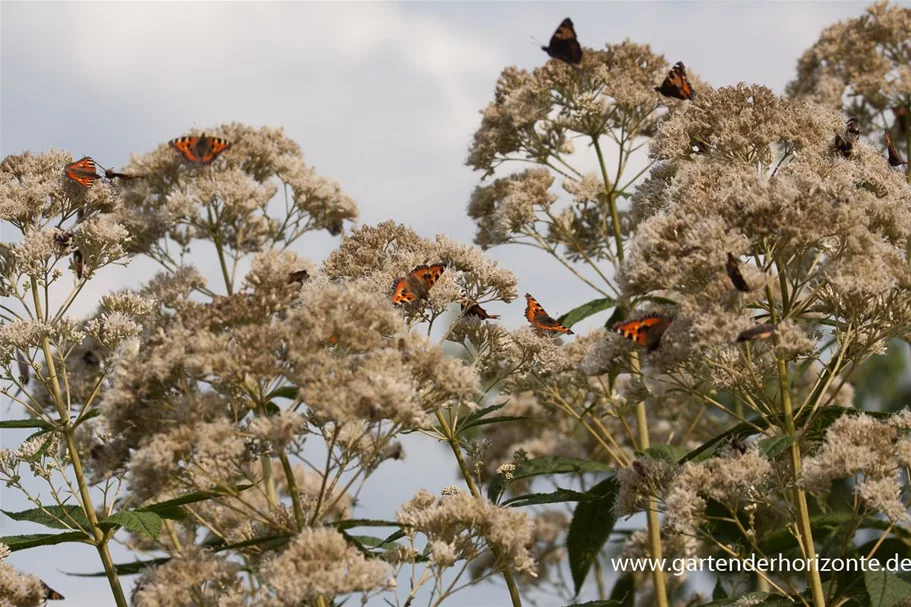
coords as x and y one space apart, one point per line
734 274
78 265
298 276
474 309
417 284
540 319
676 84
645 331
845 145
50 594
757 332
111 174
894 159
82 171
564 45
200 150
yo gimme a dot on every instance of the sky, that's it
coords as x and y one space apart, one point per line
383 97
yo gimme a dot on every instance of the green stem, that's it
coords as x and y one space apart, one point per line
466 474
269 480
611 200
292 489
654 526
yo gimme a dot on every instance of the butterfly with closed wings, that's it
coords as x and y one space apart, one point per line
563 44
676 84
540 319
894 159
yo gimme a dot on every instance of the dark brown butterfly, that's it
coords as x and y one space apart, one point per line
757 332
845 144
894 159
540 319
82 171
78 265
200 150
733 268
417 284
645 331
111 175
738 445
564 45
474 309
676 84
299 276
50 594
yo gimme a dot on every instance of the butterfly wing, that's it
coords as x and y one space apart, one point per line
733 269
473 309
645 331
541 319
187 147
894 159
564 45
757 332
210 148
428 275
676 84
50 594
298 276
82 171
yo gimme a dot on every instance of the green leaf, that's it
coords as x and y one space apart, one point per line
719 592
624 591
171 509
661 301
740 431
548 464
479 413
586 310
885 589
499 419
771 447
126 568
23 542
619 315
272 410
608 603
141 521
560 495
670 453
363 522
590 528
284 392
24 423
49 515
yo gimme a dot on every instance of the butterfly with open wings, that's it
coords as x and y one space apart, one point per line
645 331
540 319
82 171
201 150
676 84
417 284
564 45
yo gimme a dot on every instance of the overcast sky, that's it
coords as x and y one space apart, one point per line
382 97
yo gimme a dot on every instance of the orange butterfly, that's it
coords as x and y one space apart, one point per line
417 284
564 45
676 84
735 275
757 332
82 171
894 159
540 319
50 594
474 309
645 331
200 150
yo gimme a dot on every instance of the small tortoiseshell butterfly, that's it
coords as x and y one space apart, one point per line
757 332
676 84
845 144
417 284
82 171
474 309
733 268
50 594
539 319
78 264
200 150
645 331
564 45
894 159
298 276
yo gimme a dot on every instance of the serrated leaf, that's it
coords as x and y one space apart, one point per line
140 521
740 431
23 542
555 497
126 568
885 588
49 515
363 522
479 413
670 453
586 310
24 423
548 464
590 528
499 419
772 447
171 509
